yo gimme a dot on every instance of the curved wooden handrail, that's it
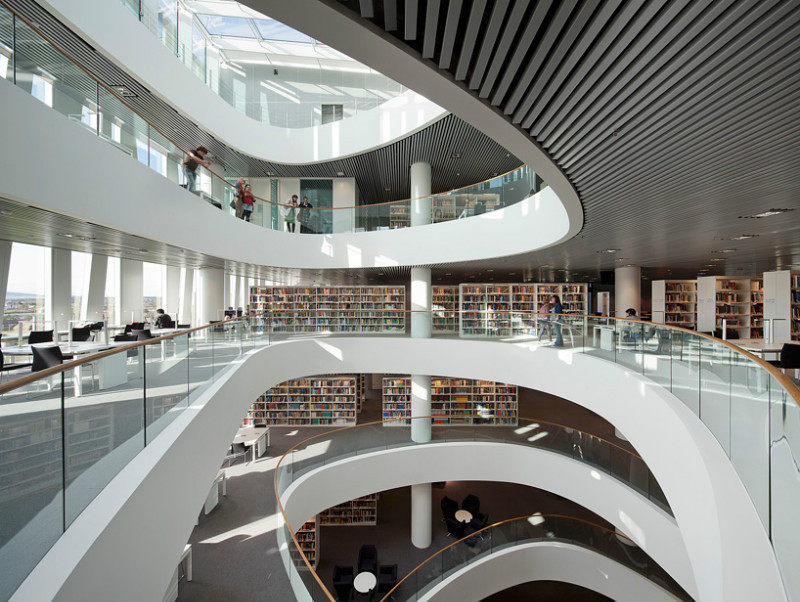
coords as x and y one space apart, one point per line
225 181
497 524
391 420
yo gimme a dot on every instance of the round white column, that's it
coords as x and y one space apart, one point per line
420 175
627 290
420 406
212 294
421 318
421 504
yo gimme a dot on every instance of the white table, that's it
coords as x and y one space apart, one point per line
365 582
257 439
463 516
760 347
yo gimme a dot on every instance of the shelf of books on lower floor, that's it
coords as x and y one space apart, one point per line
359 512
675 302
334 309
455 402
313 401
444 302
782 303
308 539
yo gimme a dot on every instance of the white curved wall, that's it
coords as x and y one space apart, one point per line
142 513
546 561
653 529
96 182
110 28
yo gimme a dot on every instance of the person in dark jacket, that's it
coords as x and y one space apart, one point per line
304 215
163 320
557 310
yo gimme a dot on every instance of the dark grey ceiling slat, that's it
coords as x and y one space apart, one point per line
534 23
410 21
431 29
470 37
488 43
367 9
513 23
449 37
390 15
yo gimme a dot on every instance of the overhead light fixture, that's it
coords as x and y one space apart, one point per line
387 189
143 250
724 251
123 90
456 155
65 235
340 174
767 213
5 212
608 251
715 259
744 237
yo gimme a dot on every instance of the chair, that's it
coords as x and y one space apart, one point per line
184 325
46 357
10 367
133 326
237 450
142 334
387 578
471 504
81 334
455 528
476 537
449 507
169 324
479 521
40 336
121 338
97 326
368 559
790 357
343 582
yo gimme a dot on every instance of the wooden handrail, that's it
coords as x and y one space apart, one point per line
108 89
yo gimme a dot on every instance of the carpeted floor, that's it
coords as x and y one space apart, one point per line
235 551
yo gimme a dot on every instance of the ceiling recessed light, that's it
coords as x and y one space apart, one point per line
724 251
744 236
387 189
5 212
123 91
65 235
767 213
143 250
448 274
456 155
340 174
608 251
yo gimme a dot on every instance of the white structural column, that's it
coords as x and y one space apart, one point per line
58 297
131 290
172 297
185 299
212 295
5 264
420 193
95 300
627 290
421 494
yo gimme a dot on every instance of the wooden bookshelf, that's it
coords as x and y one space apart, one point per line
782 303
399 216
459 401
313 401
334 309
724 298
675 302
308 538
444 302
359 512
756 308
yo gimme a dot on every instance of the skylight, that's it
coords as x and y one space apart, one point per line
274 30
238 27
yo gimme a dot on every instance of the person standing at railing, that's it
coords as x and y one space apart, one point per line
544 321
247 203
291 213
193 160
239 200
557 311
304 215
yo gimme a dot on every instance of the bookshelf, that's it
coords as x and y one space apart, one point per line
444 302
444 208
460 401
488 310
313 401
308 538
724 298
756 308
399 216
359 512
675 302
335 309
782 303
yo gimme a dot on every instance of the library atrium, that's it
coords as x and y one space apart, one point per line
400 300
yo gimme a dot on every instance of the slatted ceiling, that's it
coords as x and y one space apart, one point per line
390 14
367 9
488 42
513 24
471 35
410 21
431 21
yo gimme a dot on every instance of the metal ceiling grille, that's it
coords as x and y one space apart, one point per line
374 171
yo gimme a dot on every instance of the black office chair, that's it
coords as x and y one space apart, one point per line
343 582
368 559
789 358
94 327
471 504
46 357
455 528
133 326
475 536
40 336
184 325
122 338
478 522
142 334
81 334
10 367
236 452
387 578
169 324
449 507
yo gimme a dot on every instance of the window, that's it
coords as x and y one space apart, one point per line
204 182
28 273
158 159
42 88
142 151
81 269
5 61
89 117
198 51
332 113
239 95
154 286
111 308
116 132
168 23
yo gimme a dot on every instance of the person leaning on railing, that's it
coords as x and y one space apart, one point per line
558 311
193 160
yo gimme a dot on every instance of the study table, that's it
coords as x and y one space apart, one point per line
257 439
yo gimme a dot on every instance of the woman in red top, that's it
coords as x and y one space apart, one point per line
247 203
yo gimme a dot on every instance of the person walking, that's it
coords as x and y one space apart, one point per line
291 213
557 312
247 203
239 200
544 320
194 159
304 215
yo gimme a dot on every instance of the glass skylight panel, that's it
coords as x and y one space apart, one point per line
274 30
237 27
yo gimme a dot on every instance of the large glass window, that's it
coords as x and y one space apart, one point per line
168 23
42 88
142 151
198 52
28 273
111 309
158 158
6 44
239 95
154 286
81 270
